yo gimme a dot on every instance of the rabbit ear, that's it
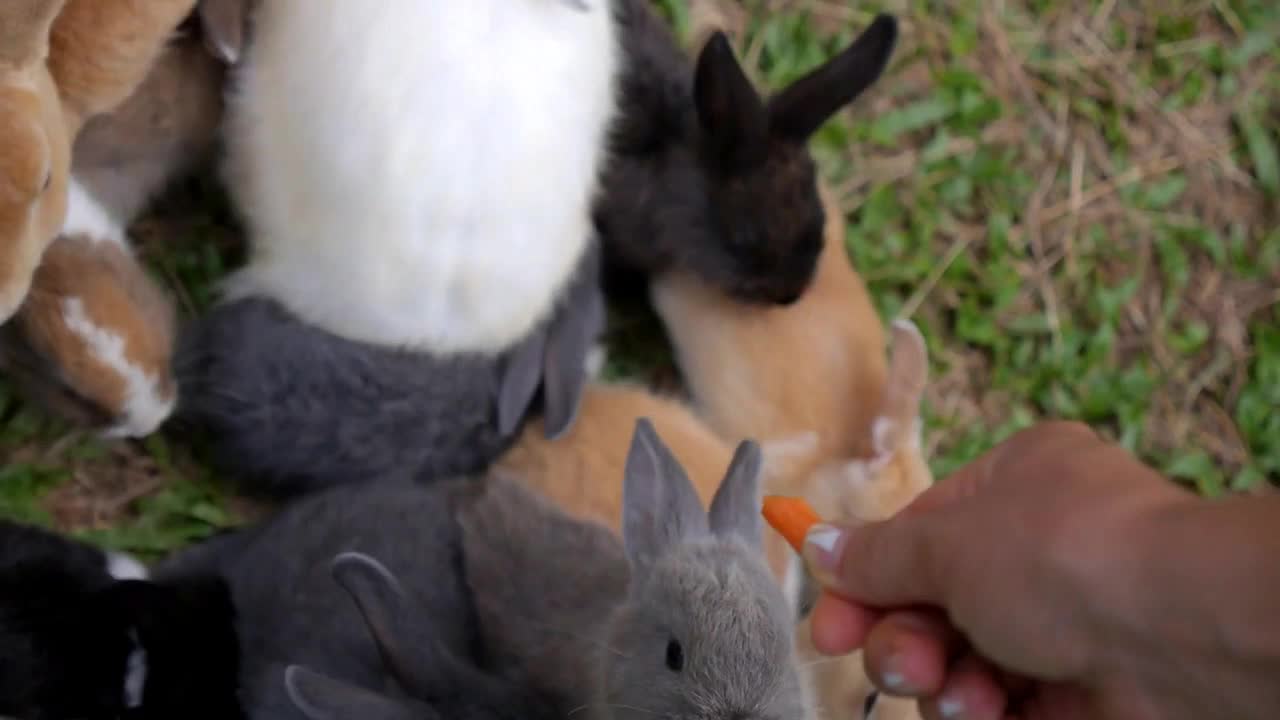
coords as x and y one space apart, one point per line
576 326
224 23
798 111
323 698
520 380
420 665
660 508
729 108
904 386
735 509
24 29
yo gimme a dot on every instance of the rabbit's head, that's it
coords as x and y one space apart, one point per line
764 203
866 490
705 632
435 682
877 487
35 147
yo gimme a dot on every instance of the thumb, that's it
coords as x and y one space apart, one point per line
889 563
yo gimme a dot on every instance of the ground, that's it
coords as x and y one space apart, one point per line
1075 201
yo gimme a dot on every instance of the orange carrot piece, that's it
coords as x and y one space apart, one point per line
791 517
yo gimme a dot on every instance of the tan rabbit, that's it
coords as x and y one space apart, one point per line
62 62
581 469
97 330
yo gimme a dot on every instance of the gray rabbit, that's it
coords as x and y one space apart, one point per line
682 619
363 586
477 598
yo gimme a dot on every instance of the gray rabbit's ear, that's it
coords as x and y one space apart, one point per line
735 509
520 380
577 324
323 698
224 24
660 507
419 664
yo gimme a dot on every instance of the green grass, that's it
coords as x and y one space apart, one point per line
1046 192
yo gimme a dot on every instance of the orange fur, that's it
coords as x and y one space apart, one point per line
818 365
121 159
582 470
116 297
61 63
101 50
34 146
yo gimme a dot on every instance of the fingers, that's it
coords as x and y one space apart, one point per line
971 692
907 653
890 563
839 627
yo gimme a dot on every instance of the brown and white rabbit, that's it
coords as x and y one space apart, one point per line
95 337
707 176
62 63
816 366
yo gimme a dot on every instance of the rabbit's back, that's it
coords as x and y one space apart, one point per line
420 173
291 610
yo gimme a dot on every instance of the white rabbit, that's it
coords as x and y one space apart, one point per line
419 174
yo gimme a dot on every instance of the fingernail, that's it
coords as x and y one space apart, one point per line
893 680
951 708
823 545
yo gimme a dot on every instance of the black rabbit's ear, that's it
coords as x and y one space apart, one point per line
224 24
576 326
735 509
323 698
730 110
660 507
521 378
798 111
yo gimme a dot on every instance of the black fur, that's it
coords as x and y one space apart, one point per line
707 176
291 408
67 629
294 610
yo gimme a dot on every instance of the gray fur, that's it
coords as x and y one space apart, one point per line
361 588
595 628
291 408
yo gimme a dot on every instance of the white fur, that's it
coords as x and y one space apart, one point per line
420 173
135 679
125 567
86 216
597 358
145 407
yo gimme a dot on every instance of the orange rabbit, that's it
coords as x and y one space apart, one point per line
94 337
816 366
582 470
62 62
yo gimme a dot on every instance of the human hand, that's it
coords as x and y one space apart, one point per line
1009 589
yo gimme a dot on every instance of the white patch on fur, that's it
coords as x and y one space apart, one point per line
125 567
420 174
86 216
597 356
884 436
145 407
135 678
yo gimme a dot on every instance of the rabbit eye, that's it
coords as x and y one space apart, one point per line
675 656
